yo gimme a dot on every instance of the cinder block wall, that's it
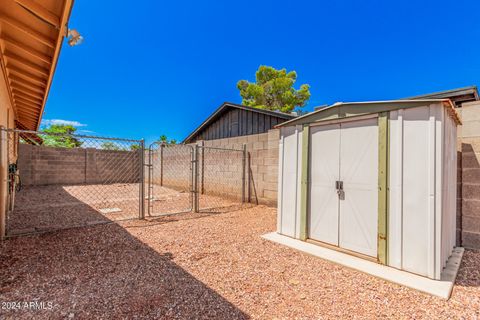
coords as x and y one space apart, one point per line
221 171
468 215
41 165
263 157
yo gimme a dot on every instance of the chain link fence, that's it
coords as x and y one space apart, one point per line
59 181
222 176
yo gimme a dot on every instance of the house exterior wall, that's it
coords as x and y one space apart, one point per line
7 118
468 183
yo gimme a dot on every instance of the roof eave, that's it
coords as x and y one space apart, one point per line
67 11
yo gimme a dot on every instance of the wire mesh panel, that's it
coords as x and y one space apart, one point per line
220 179
65 180
169 179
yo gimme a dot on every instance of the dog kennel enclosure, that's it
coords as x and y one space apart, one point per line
373 179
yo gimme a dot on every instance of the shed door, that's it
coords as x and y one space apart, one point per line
324 171
346 152
359 173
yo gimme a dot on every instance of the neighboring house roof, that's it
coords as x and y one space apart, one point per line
32 33
458 96
350 109
228 106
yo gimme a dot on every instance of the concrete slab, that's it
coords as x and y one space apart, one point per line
440 288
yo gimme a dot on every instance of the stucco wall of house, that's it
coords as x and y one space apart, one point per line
7 118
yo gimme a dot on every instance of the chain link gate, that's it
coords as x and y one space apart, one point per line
184 178
170 179
57 181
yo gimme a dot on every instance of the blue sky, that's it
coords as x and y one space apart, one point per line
148 68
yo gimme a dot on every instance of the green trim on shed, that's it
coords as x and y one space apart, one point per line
304 182
383 160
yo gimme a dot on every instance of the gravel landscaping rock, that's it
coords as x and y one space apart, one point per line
205 266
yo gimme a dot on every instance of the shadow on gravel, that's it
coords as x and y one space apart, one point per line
102 272
54 207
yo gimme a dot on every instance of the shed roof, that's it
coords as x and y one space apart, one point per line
32 33
351 109
228 105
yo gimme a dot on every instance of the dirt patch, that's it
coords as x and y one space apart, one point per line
206 266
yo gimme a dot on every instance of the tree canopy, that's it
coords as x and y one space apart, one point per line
164 139
109 145
61 136
273 90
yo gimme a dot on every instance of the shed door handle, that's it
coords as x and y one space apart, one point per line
339 185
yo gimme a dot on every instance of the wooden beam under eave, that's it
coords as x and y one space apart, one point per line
27 91
40 12
26 106
27 112
17 95
17 98
23 115
29 50
24 95
28 64
26 75
27 123
27 88
28 115
26 82
28 30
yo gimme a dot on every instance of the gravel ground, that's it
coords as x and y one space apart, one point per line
205 266
45 208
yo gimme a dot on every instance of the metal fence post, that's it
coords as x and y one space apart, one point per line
150 177
202 177
244 169
249 178
162 145
195 179
142 179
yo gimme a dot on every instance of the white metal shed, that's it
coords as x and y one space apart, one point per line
373 179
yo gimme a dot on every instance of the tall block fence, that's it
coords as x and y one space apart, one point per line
41 165
468 177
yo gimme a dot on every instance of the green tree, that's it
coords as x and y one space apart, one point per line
134 147
273 90
60 135
108 145
164 139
